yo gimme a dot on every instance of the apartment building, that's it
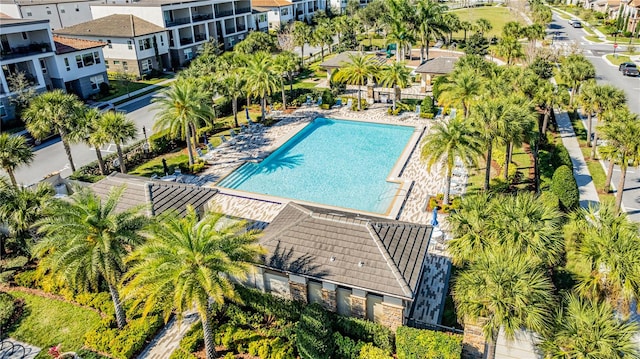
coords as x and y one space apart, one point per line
134 46
28 47
60 13
189 24
282 12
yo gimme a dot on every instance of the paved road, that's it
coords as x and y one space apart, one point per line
607 74
50 156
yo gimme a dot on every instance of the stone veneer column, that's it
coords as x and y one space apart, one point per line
393 312
298 288
329 297
359 303
473 342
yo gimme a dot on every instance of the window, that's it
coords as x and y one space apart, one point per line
62 10
116 62
48 12
24 36
161 40
147 65
109 44
79 61
285 11
144 44
66 63
43 66
96 81
87 59
29 12
188 54
130 44
96 57
3 112
124 66
262 18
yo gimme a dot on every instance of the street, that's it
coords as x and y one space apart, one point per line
50 157
607 74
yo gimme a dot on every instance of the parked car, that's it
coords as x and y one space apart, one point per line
572 21
628 69
576 24
104 106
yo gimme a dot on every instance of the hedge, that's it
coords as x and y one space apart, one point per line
370 352
365 331
418 344
314 334
10 310
346 348
564 185
125 343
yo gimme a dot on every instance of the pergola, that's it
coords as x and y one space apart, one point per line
434 67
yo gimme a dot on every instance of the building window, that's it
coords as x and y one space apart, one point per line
130 44
62 11
96 81
96 57
144 44
24 36
262 18
124 66
66 63
43 66
87 59
116 62
109 44
285 11
161 40
79 61
147 65
29 13
188 54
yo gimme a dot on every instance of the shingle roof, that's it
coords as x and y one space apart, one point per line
159 196
438 65
112 26
355 250
270 3
67 44
340 59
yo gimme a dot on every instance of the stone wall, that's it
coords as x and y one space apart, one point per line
473 341
329 300
393 316
298 291
358 307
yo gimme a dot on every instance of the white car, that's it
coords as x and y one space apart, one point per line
104 106
573 21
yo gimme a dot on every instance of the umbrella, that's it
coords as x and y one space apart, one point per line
434 220
246 112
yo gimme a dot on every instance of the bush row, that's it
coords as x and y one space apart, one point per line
417 344
565 187
124 343
10 310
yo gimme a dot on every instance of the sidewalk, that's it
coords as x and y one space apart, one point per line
588 193
13 349
168 340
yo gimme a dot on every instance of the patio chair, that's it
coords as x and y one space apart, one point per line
319 102
349 104
338 103
418 110
309 101
199 152
223 138
177 171
210 146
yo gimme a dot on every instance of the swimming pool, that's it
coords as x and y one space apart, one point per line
333 162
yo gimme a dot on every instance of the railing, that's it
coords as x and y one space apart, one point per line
21 51
185 41
441 328
201 17
243 10
178 21
223 13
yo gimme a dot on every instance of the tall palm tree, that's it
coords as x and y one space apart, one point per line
183 107
86 241
431 19
609 245
188 261
510 48
483 25
117 128
515 129
53 111
576 70
262 81
547 96
461 89
232 85
88 133
285 63
448 141
401 35
357 72
506 289
590 329
452 23
470 228
396 76
608 98
301 36
14 152
465 26
588 101
322 36
21 208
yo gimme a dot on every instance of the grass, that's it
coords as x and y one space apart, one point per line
120 88
498 16
519 158
618 60
154 166
593 38
48 322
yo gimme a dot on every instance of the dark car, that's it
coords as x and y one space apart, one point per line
628 69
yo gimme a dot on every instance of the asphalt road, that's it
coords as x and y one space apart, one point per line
50 156
607 74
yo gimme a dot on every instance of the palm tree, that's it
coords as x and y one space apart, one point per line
260 78
322 36
588 101
465 26
515 128
609 246
547 96
396 76
53 111
431 21
461 89
510 48
507 290
86 240
483 25
118 129
301 36
590 329
88 133
624 133
452 23
470 228
188 261
608 98
14 152
610 151
285 63
232 86
448 141
402 36
183 107
21 208
576 70
356 72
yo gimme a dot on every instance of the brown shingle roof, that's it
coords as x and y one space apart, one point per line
159 196
67 44
270 3
359 251
340 59
438 65
127 26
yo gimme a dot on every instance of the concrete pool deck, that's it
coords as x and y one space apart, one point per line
410 169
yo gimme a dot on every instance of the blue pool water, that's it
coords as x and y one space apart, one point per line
333 162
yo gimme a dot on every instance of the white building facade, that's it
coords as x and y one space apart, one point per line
282 12
60 13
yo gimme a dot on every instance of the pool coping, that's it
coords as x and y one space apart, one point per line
394 176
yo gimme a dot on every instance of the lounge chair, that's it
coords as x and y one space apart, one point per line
338 103
309 101
199 152
418 110
349 104
319 101
210 147
223 138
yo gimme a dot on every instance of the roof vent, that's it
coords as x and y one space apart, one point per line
361 264
332 259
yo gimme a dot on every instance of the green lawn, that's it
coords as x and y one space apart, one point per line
593 38
498 16
48 322
154 166
119 88
619 59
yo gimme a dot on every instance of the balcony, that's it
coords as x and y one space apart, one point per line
21 51
200 37
243 10
185 41
202 17
223 13
177 21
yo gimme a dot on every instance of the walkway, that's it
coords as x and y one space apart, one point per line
168 340
588 193
13 349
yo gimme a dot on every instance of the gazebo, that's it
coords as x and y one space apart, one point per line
434 67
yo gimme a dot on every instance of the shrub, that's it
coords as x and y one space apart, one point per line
366 331
368 351
313 333
268 304
417 344
26 279
564 186
328 98
363 104
196 167
550 199
8 306
346 348
562 157
125 343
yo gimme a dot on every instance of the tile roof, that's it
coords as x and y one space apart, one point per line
270 3
343 57
355 250
159 196
438 65
113 26
67 44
